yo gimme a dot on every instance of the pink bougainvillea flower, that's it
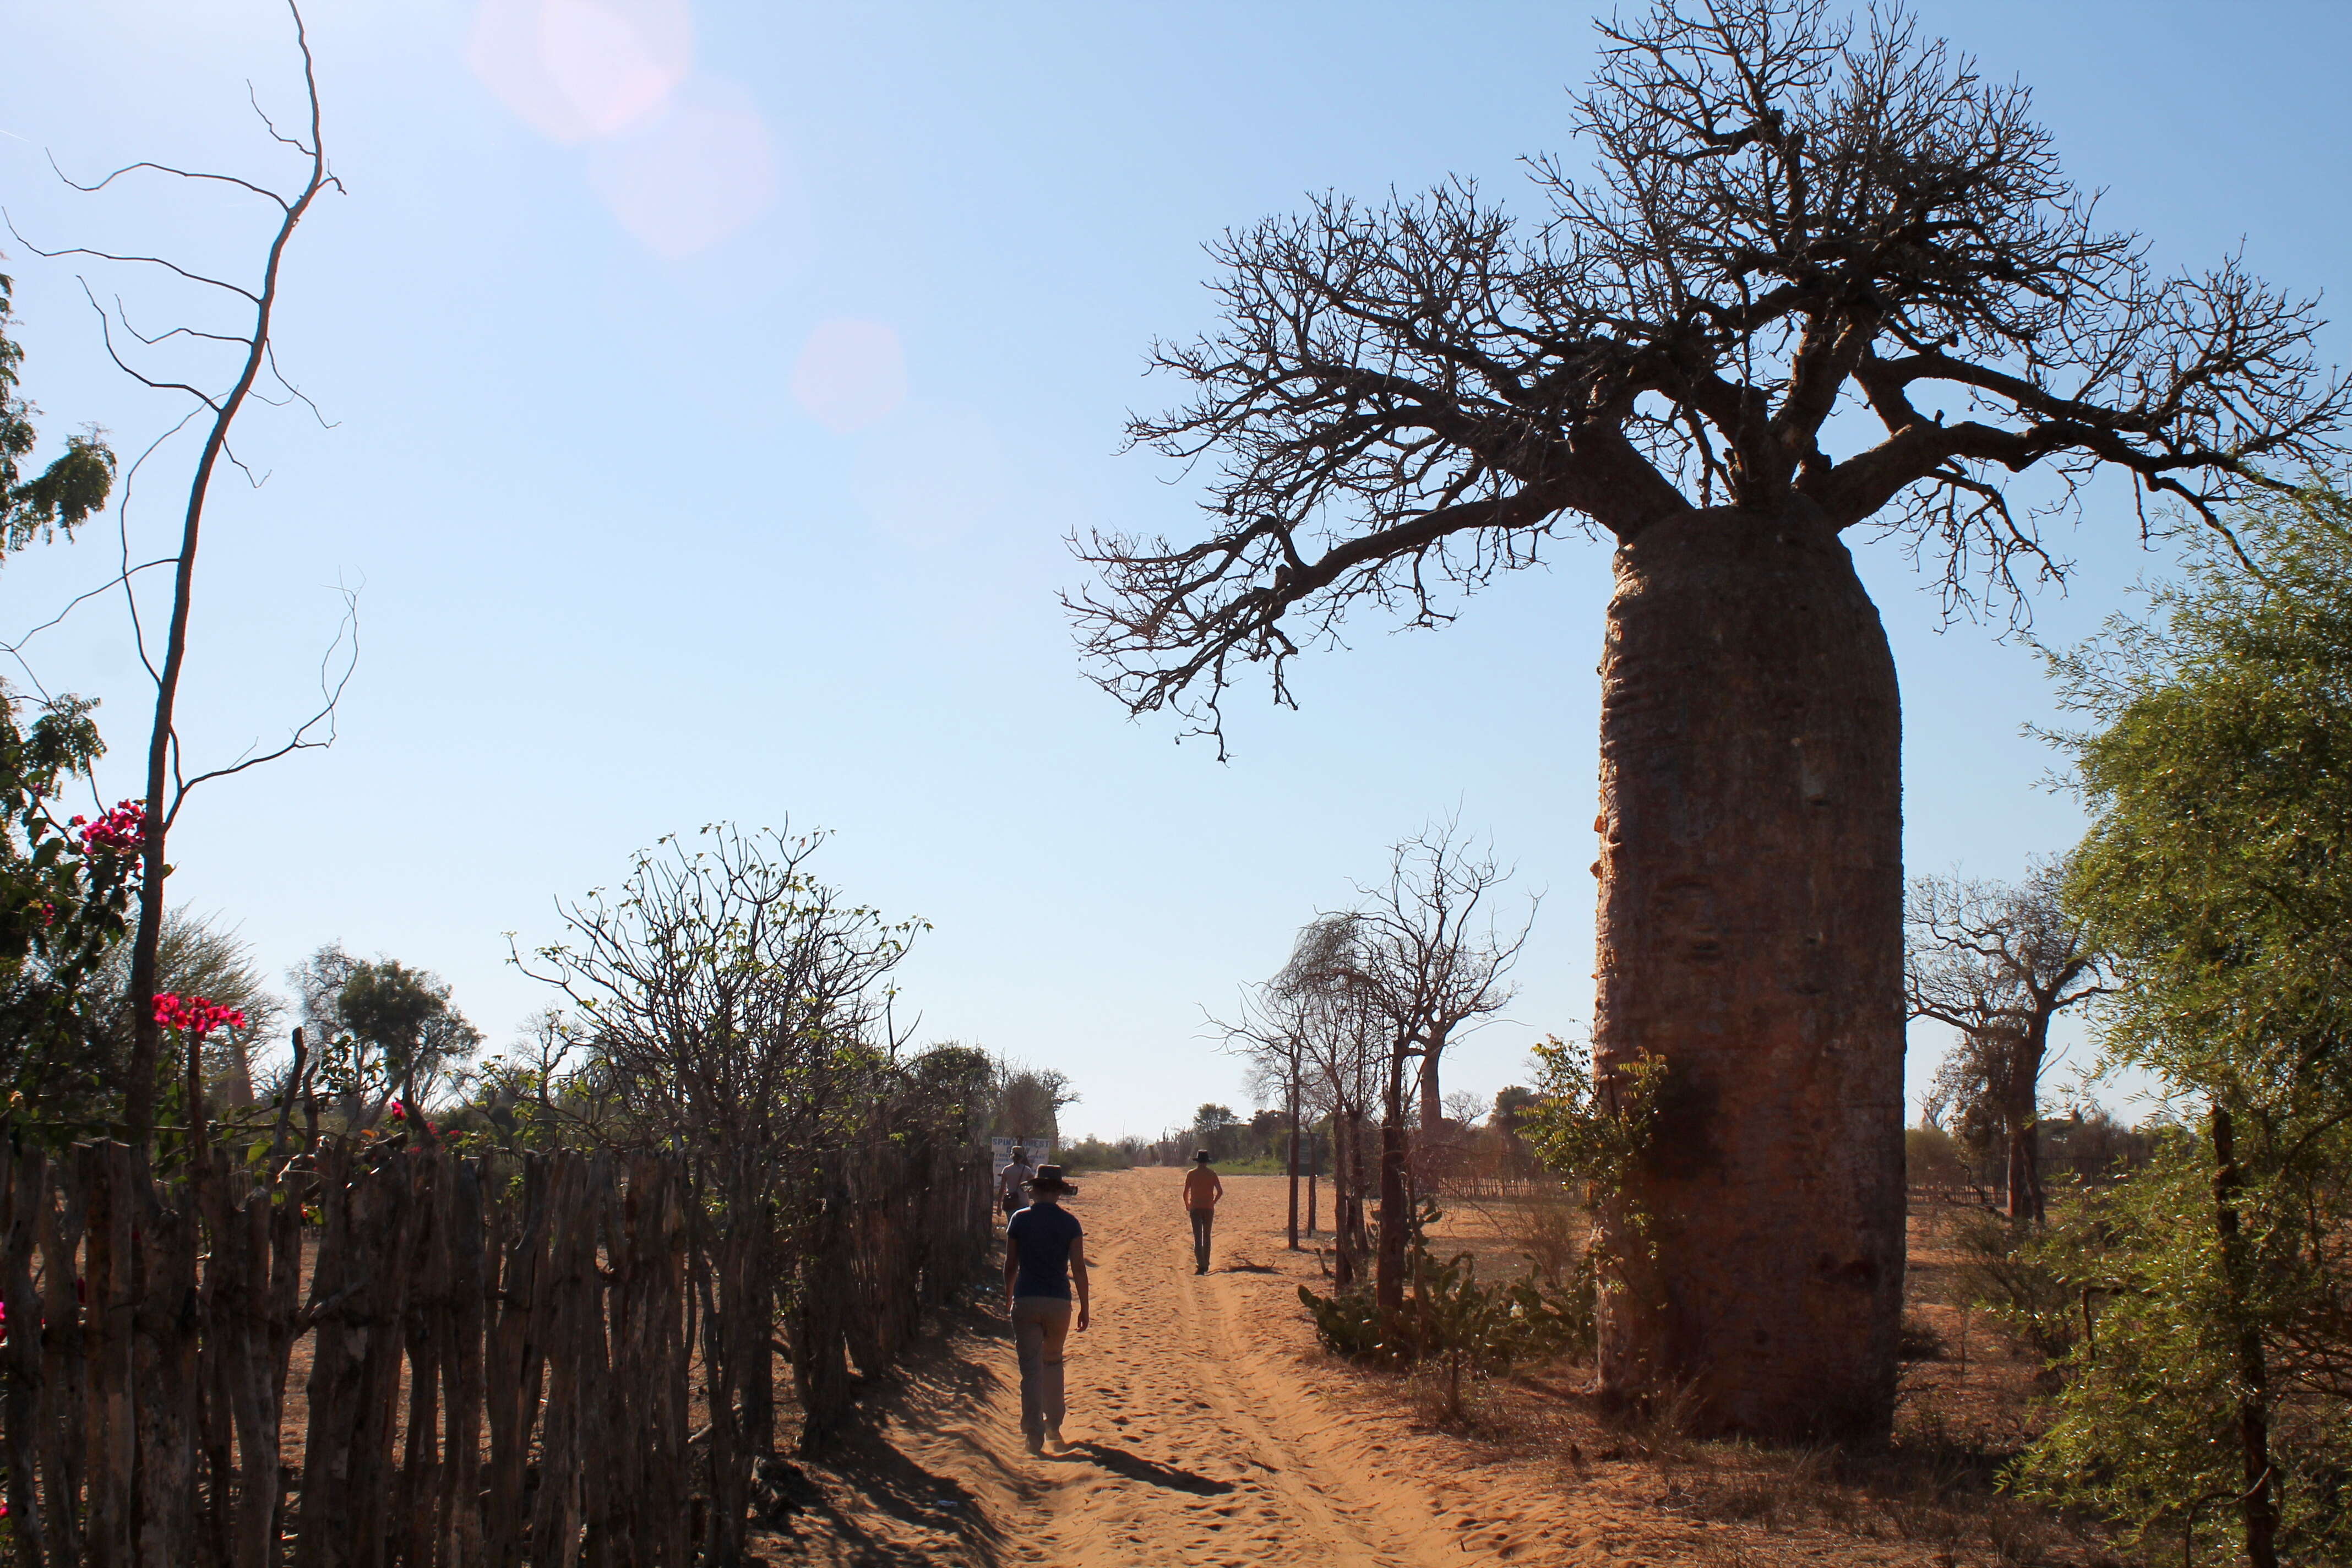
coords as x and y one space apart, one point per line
120 831
198 1016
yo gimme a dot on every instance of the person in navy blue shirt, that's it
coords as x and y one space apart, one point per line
1045 1253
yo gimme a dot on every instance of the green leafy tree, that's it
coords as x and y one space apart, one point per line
62 898
2213 1385
1029 1101
389 1035
63 494
65 893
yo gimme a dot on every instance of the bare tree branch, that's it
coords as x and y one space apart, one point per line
1785 216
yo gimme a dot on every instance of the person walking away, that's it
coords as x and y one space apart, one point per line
1201 1191
1045 1253
1012 1182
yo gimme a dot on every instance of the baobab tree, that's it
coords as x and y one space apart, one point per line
1998 961
1821 277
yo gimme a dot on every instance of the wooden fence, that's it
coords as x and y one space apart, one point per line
496 1359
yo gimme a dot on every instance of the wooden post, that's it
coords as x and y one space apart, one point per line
65 1374
106 1329
514 1364
163 1367
457 1512
24 1194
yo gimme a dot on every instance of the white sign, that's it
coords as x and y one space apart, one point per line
1035 1148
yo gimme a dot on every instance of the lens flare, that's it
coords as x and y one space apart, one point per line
700 171
577 69
850 374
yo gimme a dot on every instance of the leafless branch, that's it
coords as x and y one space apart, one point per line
1787 215
332 686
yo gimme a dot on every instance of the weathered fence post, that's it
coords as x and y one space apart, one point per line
65 1374
23 1177
514 1361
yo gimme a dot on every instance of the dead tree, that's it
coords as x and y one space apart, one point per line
1342 1038
1787 218
1433 965
1998 961
217 394
1280 1026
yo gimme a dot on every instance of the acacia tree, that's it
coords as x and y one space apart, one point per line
2216 768
1821 277
387 1035
1998 961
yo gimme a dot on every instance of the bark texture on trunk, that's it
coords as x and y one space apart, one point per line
1751 935
2258 1504
2021 1177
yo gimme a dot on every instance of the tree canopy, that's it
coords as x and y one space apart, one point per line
2216 871
62 495
1788 215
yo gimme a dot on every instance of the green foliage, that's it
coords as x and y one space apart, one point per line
1593 1128
1931 1157
380 1028
63 494
2219 870
2220 862
1466 1329
1091 1154
1029 1101
63 910
2146 1429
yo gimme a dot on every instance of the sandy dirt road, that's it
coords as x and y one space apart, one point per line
1206 1429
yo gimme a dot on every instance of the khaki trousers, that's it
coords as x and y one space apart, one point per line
1040 1325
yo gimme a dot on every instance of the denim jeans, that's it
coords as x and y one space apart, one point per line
1202 1220
1040 1325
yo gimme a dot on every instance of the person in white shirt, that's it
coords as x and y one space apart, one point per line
1012 1182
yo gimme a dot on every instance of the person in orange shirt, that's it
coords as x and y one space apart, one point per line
1201 1191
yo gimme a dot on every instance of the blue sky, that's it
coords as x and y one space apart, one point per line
713 385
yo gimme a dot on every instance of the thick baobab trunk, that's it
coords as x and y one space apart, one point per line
1433 1097
1751 935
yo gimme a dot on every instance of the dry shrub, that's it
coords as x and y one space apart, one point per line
2000 1269
1551 1233
1663 1423
1919 1340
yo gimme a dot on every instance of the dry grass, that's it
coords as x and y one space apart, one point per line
1969 1402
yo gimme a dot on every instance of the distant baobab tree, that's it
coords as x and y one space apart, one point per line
1998 961
1822 275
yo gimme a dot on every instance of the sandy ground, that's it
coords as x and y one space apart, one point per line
1205 1428
1208 1429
